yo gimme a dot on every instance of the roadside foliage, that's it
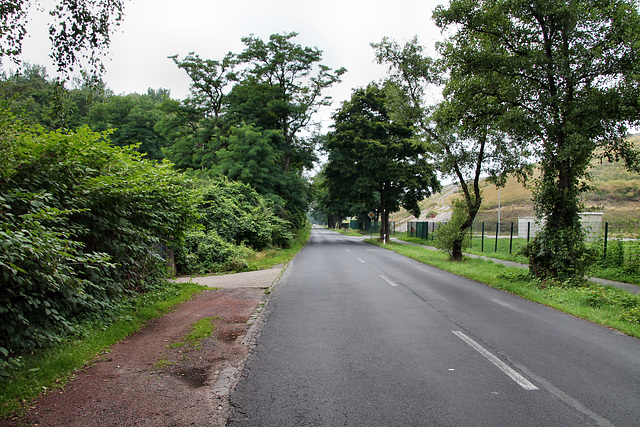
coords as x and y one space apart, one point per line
234 222
82 227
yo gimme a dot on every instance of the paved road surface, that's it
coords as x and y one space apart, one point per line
361 336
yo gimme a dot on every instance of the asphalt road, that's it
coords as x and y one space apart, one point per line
360 336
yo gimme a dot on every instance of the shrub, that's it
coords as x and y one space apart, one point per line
80 226
450 235
234 220
240 215
204 253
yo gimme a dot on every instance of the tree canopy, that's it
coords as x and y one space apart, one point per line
246 115
565 73
374 161
462 130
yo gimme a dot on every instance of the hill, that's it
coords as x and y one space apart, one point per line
614 191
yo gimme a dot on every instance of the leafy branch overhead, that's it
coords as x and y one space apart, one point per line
80 31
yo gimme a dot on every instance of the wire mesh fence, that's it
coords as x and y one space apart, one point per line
615 243
368 227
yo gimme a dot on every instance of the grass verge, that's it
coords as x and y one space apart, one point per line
618 274
272 257
351 232
53 367
604 305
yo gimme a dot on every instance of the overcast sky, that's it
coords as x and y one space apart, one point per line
152 30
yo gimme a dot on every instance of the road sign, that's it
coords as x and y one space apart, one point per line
371 215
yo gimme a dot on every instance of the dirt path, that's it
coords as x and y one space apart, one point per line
146 381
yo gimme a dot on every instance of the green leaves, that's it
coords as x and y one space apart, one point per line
247 123
373 162
81 223
79 30
560 77
234 220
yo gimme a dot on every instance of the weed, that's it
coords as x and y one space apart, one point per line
200 330
163 363
176 345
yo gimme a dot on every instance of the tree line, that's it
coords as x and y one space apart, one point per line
95 187
93 184
249 116
544 82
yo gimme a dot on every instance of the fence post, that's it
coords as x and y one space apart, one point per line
482 239
606 233
528 230
511 239
497 233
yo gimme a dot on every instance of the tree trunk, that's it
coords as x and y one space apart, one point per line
384 228
456 249
559 249
384 220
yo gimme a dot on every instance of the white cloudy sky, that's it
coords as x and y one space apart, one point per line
155 29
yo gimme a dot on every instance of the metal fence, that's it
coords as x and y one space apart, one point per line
371 227
510 236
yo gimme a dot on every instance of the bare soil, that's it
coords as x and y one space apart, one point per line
146 381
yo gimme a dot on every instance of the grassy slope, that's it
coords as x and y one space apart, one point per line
615 191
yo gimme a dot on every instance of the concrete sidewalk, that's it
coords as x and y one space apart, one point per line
249 279
634 289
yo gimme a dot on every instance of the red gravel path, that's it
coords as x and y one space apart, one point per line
144 382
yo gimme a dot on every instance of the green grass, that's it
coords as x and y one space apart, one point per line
619 274
616 274
351 232
275 256
603 305
163 363
200 330
53 367
507 250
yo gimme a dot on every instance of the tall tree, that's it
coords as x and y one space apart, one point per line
270 100
296 82
566 71
210 79
373 160
462 130
132 120
196 124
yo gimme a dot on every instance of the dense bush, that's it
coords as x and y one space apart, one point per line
450 234
81 223
234 219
